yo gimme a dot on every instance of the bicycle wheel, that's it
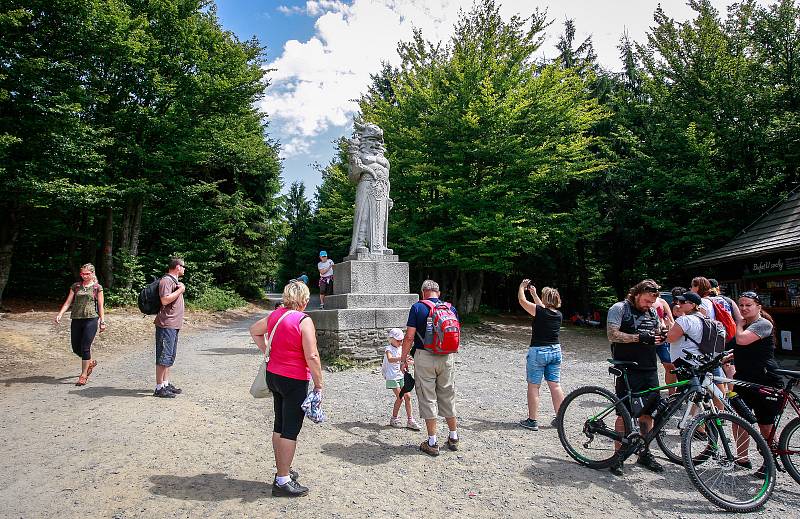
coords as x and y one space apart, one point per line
789 445
669 438
737 472
586 422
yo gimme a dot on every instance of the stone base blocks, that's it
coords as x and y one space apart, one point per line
370 297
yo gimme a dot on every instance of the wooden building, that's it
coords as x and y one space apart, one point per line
765 258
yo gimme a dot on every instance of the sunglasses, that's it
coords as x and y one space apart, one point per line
751 295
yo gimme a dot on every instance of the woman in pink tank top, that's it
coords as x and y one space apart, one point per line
293 361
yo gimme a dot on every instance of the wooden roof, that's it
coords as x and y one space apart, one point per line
776 231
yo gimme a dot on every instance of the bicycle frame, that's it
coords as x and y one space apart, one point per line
786 396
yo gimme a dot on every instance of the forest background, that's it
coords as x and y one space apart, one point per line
129 133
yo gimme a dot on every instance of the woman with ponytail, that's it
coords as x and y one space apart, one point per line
754 354
86 298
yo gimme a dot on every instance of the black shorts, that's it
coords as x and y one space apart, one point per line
639 381
287 395
765 407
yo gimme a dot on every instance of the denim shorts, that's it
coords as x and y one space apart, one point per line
544 361
166 346
662 350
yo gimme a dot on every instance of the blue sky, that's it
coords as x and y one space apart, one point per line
324 51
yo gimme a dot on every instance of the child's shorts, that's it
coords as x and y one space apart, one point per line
391 384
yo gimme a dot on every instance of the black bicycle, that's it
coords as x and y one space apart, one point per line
726 459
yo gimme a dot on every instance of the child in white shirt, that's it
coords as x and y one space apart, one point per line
394 379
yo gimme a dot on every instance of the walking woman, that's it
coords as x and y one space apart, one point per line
86 298
544 353
293 361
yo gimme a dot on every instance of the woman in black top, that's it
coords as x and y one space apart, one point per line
544 353
754 354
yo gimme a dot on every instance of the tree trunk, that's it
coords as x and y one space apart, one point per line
136 227
9 230
107 257
124 243
583 275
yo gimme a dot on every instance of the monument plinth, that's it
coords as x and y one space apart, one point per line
370 287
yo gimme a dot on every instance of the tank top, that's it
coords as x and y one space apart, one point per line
754 361
286 357
84 305
546 326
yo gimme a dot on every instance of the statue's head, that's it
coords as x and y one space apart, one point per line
369 134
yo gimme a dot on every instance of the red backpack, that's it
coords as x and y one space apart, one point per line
722 315
442 331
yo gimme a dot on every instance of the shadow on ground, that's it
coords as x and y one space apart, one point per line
209 487
38 379
232 351
106 391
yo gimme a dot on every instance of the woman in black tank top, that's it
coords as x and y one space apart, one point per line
544 354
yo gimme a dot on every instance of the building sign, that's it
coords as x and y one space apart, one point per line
768 266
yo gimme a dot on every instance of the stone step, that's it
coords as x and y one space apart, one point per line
371 277
362 301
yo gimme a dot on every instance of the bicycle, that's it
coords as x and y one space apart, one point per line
709 445
787 446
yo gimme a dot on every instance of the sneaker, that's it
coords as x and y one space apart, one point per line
292 474
290 489
430 450
321 306
532 425
413 425
174 389
648 461
395 422
163 393
616 469
745 464
554 422
452 444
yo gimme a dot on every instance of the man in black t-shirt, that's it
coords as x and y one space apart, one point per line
632 327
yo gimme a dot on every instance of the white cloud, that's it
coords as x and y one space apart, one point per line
316 81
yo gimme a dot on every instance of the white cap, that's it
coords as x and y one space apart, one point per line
396 333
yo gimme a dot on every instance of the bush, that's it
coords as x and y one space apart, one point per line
216 300
116 297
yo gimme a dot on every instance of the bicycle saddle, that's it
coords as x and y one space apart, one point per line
623 363
786 373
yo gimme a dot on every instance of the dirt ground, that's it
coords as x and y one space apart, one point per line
110 449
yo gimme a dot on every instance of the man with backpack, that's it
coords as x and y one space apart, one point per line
433 329
169 321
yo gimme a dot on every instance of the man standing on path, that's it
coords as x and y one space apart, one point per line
325 267
434 374
633 330
169 321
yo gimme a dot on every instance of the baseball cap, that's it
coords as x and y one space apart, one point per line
713 282
323 253
690 297
396 333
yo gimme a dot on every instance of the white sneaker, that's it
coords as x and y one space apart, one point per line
412 424
395 422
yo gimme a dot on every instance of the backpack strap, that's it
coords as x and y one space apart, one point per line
431 306
701 317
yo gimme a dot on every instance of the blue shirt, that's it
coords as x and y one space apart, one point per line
418 317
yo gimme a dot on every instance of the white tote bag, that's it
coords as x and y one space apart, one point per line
259 387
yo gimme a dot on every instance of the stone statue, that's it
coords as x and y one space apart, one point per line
370 170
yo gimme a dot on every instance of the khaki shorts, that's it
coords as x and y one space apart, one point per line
435 383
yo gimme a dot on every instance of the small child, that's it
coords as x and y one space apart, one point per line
394 379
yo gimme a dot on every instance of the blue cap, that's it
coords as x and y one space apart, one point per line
323 253
304 279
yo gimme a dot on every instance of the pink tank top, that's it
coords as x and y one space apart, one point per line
286 358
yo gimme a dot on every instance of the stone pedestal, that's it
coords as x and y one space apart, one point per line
371 295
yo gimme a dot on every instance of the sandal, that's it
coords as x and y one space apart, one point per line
90 368
81 380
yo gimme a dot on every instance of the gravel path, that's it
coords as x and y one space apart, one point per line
112 450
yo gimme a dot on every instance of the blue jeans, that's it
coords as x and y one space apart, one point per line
544 361
166 346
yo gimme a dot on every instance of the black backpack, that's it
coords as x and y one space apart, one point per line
149 300
713 338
